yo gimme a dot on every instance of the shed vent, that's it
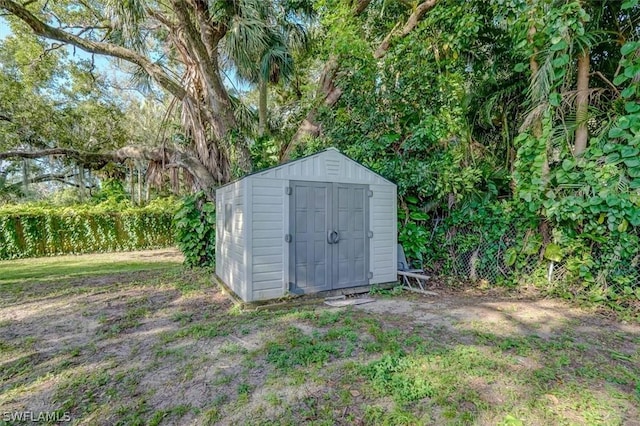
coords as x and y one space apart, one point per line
333 167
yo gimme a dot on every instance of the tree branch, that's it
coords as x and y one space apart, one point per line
90 159
411 23
51 176
361 5
47 31
97 161
329 92
606 80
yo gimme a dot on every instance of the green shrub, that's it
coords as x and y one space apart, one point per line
195 230
30 230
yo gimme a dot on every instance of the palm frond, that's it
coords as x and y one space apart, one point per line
140 80
246 117
246 39
276 63
541 83
295 35
126 17
534 114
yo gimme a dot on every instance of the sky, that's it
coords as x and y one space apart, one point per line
109 68
4 29
101 62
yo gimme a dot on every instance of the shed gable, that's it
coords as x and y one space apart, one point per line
329 165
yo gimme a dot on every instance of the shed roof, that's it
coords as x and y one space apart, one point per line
272 171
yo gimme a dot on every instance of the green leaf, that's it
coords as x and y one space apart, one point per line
553 252
592 237
632 107
629 47
628 92
632 71
595 200
510 256
633 162
628 4
634 172
612 200
561 44
568 165
620 78
629 151
519 67
561 61
609 147
616 132
623 225
555 99
624 122
419 216
531 247
612 158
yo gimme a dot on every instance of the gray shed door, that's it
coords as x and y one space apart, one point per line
329 229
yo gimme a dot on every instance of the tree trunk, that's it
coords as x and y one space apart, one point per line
25 176
582 104
537 122
139 184
132 192
262 107
81 185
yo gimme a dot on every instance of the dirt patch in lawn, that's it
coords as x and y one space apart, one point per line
167 347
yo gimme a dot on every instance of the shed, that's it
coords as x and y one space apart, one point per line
319 223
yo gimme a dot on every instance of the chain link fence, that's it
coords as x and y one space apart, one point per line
474 258
517 257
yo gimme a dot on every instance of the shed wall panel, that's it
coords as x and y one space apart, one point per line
268 230
383 223
273 293
230 237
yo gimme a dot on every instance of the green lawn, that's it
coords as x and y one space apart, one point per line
158 344
70 266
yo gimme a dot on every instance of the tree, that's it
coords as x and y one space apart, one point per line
182 46
49 100
286 36
328 93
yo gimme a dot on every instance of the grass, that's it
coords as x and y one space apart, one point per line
65 267
155 344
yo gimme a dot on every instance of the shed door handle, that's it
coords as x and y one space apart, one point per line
332 237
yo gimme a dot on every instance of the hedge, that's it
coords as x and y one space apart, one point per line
33 230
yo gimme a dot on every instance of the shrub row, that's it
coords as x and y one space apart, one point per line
32 231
